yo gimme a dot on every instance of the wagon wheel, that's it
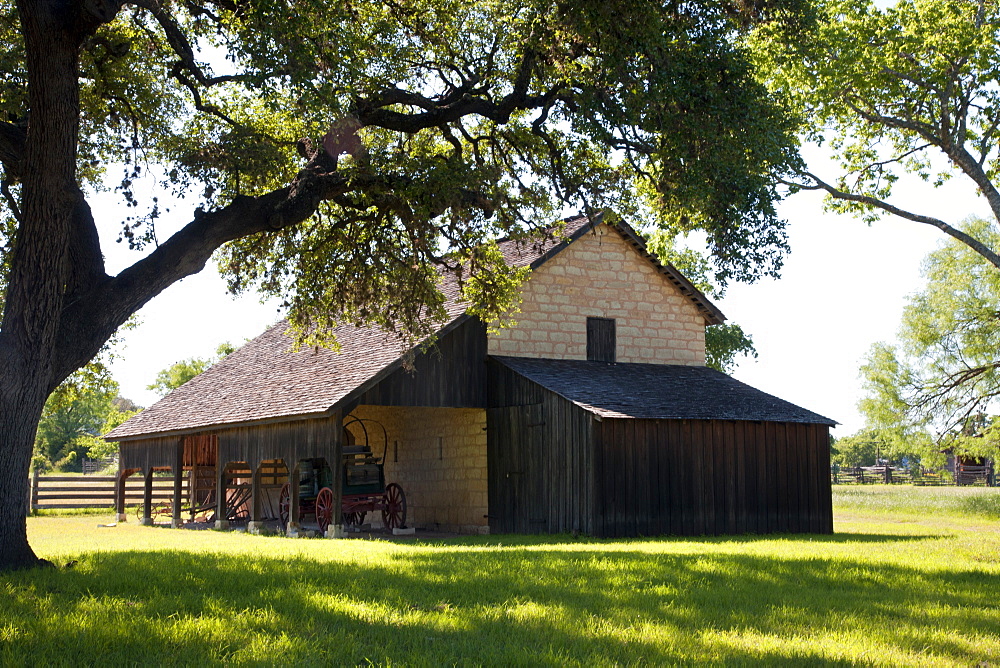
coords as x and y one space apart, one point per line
284 504
324 508
394 507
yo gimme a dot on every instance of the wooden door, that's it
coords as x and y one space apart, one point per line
518 494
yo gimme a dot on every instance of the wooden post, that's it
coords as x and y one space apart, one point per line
33 497
336 463
120 495
175 515
293 500
221 511
147 499
255 524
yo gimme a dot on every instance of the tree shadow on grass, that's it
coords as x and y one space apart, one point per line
535 604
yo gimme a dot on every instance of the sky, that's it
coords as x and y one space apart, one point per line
843 287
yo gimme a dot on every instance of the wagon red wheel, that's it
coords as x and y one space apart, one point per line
324 508
284 504
394 507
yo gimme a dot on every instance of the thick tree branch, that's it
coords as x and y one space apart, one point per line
12 143
15 208
180 44
958 234
86 261
974 170
925 130
96 315
373 111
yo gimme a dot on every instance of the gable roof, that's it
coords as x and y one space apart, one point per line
657 391
264 380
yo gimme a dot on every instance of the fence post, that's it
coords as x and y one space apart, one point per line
33 499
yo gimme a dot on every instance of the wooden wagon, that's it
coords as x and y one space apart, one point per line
363 486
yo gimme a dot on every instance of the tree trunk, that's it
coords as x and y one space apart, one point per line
18 421
40 268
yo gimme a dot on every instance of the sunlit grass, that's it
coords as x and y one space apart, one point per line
982 502
897 585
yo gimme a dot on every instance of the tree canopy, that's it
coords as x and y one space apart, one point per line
907 90
339 155
944 376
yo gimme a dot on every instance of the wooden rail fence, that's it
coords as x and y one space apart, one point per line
57 492
965 474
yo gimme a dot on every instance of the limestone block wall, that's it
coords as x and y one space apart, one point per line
600 275
438 456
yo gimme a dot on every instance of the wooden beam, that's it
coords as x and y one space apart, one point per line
294 519
175 519
147 499
221 511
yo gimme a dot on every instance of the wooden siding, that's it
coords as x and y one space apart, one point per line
159 452
553 467
452 373
540 455
253 444
290 441
711 477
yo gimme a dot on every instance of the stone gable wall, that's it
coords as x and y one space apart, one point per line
601 275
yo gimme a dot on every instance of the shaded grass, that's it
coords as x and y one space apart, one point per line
920 591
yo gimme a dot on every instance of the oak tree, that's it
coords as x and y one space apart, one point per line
906 91
341 154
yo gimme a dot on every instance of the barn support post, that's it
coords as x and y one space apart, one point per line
335 460
221 511
175 519
120 494
33 495
293 501
256 523
147 498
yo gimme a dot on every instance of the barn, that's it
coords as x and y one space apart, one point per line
594 413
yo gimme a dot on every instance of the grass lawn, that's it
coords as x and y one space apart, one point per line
911 577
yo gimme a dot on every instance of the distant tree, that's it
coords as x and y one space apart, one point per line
178 373
869 446
944 376
97 447
74 414
858 449
723 343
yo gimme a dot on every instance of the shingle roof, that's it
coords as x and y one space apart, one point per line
263 380
657 391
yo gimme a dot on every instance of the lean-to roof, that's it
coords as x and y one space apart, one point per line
657 391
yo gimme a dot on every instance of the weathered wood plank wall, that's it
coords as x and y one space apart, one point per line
451 373
540 455
290 441
711 477
156 452
554 467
